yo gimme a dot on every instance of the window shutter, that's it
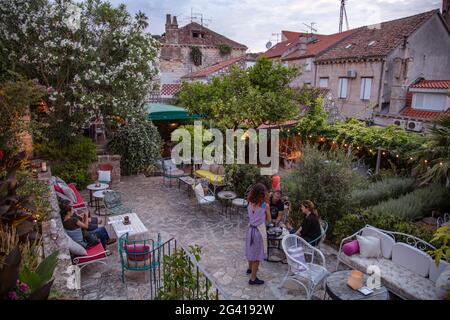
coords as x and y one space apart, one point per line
366 86
343 84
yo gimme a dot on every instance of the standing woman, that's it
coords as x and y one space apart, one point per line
256 238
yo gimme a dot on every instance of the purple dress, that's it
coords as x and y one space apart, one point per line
254 244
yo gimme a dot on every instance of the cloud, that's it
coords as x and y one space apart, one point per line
252 22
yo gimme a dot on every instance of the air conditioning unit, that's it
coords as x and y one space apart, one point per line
351 73
414 126
400 123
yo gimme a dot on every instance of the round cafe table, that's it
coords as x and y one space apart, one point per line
93 188
227 197
337 289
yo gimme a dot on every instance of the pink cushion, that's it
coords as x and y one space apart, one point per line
93 253
80 202
58 189
137 252
351 247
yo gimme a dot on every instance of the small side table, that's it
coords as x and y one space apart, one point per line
98 196
93 188
277 246
337 289
226 198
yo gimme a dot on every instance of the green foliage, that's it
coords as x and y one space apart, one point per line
38 283
94 59
39 193
224 49
241 176
352 222
180 278
15 99
139 144
382 190
437 152
71 163
196 56
416 204
442 239
324 177
252 96
315 119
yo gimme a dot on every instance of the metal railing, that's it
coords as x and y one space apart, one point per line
186 280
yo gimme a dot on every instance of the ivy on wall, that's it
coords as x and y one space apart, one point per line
196 56
224 49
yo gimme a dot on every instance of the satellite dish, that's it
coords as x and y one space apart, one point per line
269 45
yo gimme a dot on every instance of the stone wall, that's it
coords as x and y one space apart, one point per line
63 275
114 160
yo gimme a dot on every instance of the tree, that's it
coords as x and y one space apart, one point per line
92 57
436 153
253 96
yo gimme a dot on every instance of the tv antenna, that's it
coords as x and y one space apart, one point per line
310 28
277 34
343 14
198 17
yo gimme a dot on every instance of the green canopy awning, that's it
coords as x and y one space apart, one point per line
159 111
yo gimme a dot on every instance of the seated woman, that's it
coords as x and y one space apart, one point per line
276 208
72 221
310 228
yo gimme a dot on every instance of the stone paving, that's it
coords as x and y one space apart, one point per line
174 213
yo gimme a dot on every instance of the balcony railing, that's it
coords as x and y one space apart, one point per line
177 275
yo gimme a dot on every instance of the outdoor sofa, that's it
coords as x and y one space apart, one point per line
406 269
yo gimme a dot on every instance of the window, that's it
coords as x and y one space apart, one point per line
429 101
366 86
348 46
307 84
308 64
371 43
323 83
343 88
196 34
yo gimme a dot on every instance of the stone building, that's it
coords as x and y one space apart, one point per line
177 45
370 71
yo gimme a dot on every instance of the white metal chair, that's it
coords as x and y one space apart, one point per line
242 203
307 274
202 198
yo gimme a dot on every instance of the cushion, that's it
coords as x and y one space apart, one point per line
199 190
104 175
220 170
60 181
213 168
68 192
298 254
137 252
351 247
386 241
77 236
75 248
93 253
436 271
369 247
411 258
210 176
80 202
58 188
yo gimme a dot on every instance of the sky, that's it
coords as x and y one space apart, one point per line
252 22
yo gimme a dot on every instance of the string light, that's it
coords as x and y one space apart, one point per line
310 136
411 158
397 156
357 147
345 145
383 153
441 164
322 139
426 161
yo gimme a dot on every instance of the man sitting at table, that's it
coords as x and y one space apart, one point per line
276 208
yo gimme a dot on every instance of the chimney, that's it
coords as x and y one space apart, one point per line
168 22
175 23
302 44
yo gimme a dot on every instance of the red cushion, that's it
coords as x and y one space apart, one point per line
93 253
137 252
80 202
351 247
58 189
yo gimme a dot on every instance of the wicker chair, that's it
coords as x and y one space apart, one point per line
307 274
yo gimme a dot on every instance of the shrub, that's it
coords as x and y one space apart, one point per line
416 204
326 178
139 144
71 163
39 193
241 176
382 190
351 223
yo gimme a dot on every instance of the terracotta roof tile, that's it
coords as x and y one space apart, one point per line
422 114
214 68
211 38
432 84
385 37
